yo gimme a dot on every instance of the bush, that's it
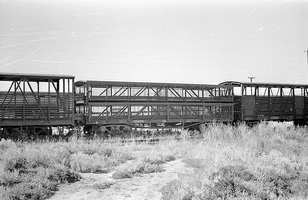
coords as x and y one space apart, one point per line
196 163
86 163
121 174
5 144
289 180
137 168
158 159
38 183
62 175
10 179
103 185
31 190
260 162
229 182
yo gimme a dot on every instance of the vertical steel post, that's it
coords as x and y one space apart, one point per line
73 100
58 94
281 111
64 99
129 112
24 100
168 113
166 92
242 100
38 93
203 112
15 88
69 97
293 97
269 102
48 100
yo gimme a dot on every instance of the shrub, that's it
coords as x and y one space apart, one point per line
228 182
31 190
96 163
196 163
121 174
158 159
137 168
86 163
278 184
10 179
38 183
260 162
175 191
274 180
103 185
18 163
62 175
146 168
5 144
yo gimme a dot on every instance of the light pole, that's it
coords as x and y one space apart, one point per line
251 77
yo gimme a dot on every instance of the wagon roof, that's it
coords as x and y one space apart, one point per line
32 77
235 83
152 84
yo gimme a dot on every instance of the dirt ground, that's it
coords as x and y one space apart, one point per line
143 187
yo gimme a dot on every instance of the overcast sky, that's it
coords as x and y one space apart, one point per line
184 41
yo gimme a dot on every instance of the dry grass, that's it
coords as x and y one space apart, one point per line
103 185
150 160
230 162
34 170
263 162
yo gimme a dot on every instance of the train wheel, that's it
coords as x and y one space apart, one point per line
18 134
40 132
5 133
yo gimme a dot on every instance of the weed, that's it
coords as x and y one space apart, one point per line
196 163
5 144
15 164
262 162
146 168
103 185
158 160
62 175
38 183
140 167
228 182
10 179
34 170
121 174
231 162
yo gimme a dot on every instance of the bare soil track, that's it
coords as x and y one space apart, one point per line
143 187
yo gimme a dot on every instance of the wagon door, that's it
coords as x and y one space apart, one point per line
249 102
299 107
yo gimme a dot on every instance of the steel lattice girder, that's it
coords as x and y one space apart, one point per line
158 112
114 91
128 102
37 100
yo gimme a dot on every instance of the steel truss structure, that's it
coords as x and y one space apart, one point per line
270 101
36 100
152 104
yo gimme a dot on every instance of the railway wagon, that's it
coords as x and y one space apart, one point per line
154 105
31 104
270 101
